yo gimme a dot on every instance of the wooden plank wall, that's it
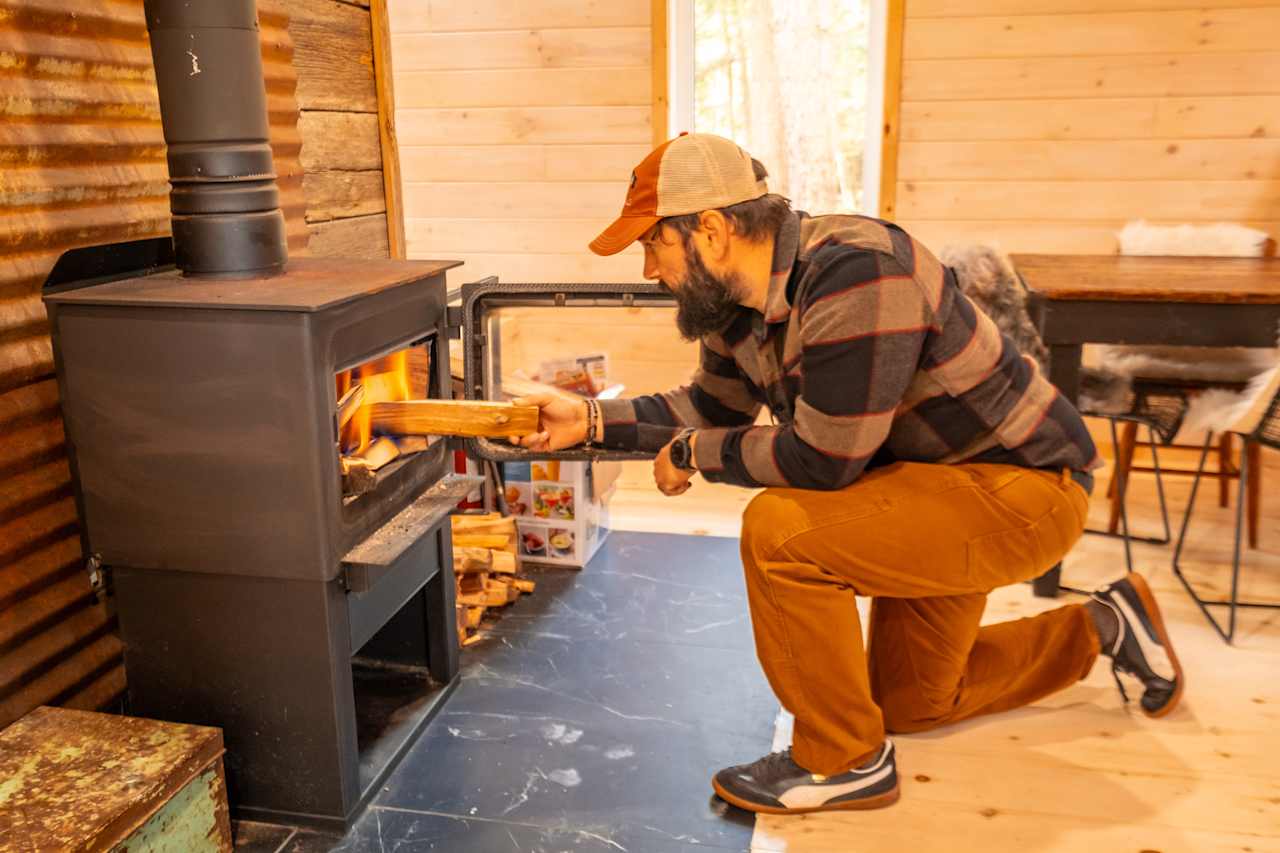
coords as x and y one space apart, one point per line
519 124
341 149
1047 124
83 162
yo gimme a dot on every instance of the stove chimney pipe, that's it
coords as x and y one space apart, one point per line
213 106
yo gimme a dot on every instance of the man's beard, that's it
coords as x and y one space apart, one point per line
706 303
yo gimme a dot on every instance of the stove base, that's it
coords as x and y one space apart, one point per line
311 728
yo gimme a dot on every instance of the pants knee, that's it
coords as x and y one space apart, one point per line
767 514
909 710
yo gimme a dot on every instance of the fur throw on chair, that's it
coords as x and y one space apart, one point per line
988 279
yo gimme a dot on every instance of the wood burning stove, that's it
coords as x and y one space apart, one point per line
315 626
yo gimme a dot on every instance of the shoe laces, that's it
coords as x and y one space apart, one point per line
771 764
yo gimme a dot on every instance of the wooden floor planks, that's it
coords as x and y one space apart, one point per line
1079 771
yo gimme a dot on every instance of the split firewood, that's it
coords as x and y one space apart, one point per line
472 582
407 444
466 560
473 617
525 586
474 599
496 541
502 563
498 594
382 451
358 476
454 417
467 525
473 639
350 404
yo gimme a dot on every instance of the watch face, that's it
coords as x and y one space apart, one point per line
680 452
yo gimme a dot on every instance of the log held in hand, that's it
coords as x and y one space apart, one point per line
471 418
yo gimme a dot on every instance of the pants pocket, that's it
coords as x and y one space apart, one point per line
1043 526
1005 557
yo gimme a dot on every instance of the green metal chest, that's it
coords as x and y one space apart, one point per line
82 781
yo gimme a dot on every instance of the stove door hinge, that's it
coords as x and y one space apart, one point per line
453 319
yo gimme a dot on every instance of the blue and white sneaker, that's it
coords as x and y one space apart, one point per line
1142 648
777 785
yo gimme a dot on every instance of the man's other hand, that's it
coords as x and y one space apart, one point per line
562 422
671 481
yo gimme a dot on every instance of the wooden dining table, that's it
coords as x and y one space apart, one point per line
1121 299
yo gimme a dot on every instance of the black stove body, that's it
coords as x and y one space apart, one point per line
316 629
201 420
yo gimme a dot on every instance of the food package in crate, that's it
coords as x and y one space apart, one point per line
561 513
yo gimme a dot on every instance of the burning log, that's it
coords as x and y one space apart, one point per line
412 443
472 418
350 404
358 476
360 472
382 451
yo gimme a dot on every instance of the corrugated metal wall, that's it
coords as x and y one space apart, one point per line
82 162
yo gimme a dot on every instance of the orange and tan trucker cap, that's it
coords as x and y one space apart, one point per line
689 174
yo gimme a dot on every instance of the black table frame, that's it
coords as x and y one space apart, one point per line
1066 325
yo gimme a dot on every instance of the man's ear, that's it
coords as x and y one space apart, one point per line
716 229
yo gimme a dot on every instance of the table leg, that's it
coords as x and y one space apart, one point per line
1064 369
1064 373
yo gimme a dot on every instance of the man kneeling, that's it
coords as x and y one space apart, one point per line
915 458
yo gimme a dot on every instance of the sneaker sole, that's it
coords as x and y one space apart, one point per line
1157 620
879 801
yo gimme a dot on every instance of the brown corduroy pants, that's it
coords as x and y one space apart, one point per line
927 543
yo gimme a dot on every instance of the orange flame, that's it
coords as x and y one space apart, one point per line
384 379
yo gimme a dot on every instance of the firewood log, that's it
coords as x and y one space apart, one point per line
350 404
382 451
481 540
358 476
466 560
502 562
454 417
467 525
407 444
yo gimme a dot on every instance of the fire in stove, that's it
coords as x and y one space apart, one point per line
365 450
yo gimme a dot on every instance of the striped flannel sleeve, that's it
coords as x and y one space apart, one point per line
718 396
863 325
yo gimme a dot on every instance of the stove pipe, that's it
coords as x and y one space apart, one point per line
213 106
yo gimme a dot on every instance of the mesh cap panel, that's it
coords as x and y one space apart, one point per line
701 171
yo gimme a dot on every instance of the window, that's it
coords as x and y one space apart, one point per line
796 82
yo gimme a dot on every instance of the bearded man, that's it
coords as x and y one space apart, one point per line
914 457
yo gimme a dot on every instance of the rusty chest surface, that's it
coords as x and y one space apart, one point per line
82 781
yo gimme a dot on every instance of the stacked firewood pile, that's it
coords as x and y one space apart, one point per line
485 566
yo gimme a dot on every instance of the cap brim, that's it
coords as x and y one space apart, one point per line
624 231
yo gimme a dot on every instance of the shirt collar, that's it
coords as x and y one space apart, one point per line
786 246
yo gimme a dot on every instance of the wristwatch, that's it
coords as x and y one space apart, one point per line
681 452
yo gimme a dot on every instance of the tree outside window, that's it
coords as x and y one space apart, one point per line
786 79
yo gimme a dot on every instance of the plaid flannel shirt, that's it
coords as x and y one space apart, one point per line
867 353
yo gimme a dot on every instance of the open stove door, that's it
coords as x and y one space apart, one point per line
485 312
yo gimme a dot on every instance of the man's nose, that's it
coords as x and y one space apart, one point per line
650 269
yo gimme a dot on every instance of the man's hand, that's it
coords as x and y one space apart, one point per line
562 422
671 480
